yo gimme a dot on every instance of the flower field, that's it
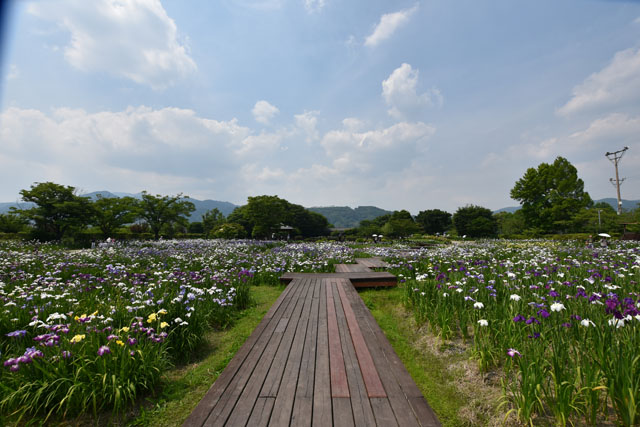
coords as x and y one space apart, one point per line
85 331
93 330
561 320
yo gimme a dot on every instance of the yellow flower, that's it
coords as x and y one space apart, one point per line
77 338
152 317
120 343
93 314
162 311
125 329
163 325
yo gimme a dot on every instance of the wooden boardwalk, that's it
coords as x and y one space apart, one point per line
317 358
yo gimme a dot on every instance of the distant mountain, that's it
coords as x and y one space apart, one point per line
6 207
627 205
510 209
202 206
346 217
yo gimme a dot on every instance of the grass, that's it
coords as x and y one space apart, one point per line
187 384
448 379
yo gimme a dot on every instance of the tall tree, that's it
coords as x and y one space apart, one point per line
475 221
159 211
111 213
57 212
551 195
266 213
12 223
400 224
434 221
510 224
211 220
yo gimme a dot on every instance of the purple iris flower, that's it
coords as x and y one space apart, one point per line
543 313
532 320
512 352
519 318
104 350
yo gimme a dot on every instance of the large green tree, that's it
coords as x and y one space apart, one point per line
510 223
400 224
551 196
58 211
263 217
160 211
111 213
12 223
212 220
475 221
602 217
434 221
267 214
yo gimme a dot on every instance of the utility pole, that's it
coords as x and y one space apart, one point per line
615 158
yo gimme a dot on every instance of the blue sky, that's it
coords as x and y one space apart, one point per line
400 104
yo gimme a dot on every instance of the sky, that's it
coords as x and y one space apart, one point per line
410 105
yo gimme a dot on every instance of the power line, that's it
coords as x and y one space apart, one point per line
615 158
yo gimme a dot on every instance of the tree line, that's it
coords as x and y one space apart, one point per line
59 213
552 199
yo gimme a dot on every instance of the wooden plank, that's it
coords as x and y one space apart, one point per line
252 344
385 278
303 402
250 376
261 412
369 371
271 357
341 268
286 393
302 412
424 413
322 405
342 413
274 377
352 268
339 385
374 262
383 412
276 305
362 413
404 412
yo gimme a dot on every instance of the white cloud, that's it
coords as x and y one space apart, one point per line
307 123
313 6
614 129
379 150
133 39
263 112
399 91
165 142
616 84
352 124
607 133
388 25
173 150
